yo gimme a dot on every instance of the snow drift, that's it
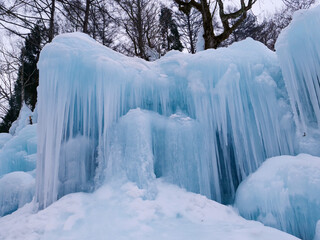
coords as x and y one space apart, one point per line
124 212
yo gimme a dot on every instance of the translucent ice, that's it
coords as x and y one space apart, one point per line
317 235
235 97
298 50
146 145
19 151
283 193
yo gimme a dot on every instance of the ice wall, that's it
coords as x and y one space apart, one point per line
234 100
284 193
298 50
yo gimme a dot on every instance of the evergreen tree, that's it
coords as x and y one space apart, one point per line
170 36
25 88
29 74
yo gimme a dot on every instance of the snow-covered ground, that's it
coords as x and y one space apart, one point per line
121 211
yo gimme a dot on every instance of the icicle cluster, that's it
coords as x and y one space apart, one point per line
298 50
206 120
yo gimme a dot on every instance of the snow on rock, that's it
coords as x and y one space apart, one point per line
298 50
122 212
283 193
19 152
236 96
16 189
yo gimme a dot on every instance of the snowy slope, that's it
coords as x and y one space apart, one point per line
118 212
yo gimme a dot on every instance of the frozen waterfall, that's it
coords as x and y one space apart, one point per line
201 121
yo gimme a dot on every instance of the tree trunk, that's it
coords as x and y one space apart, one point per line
51 27
86 16
22 79
141 42
190 35
208 35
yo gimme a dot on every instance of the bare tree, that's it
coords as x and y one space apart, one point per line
139 20
189 23
270 28
298 4
19 17
211 37
90 16
9 66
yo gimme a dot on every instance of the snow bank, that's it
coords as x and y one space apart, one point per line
298 50
16 189
123 212
283 193
236 96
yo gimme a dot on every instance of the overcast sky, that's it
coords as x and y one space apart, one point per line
263 8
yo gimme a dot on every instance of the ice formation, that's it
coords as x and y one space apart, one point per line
18 156
317 235
23 119
284 193
19 152
234 101
16 189
298 50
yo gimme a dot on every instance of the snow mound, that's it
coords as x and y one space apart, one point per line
16 189
122 212
283 193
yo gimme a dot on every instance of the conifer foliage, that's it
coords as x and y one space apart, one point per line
170 37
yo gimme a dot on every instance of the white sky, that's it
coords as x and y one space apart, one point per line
264 8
